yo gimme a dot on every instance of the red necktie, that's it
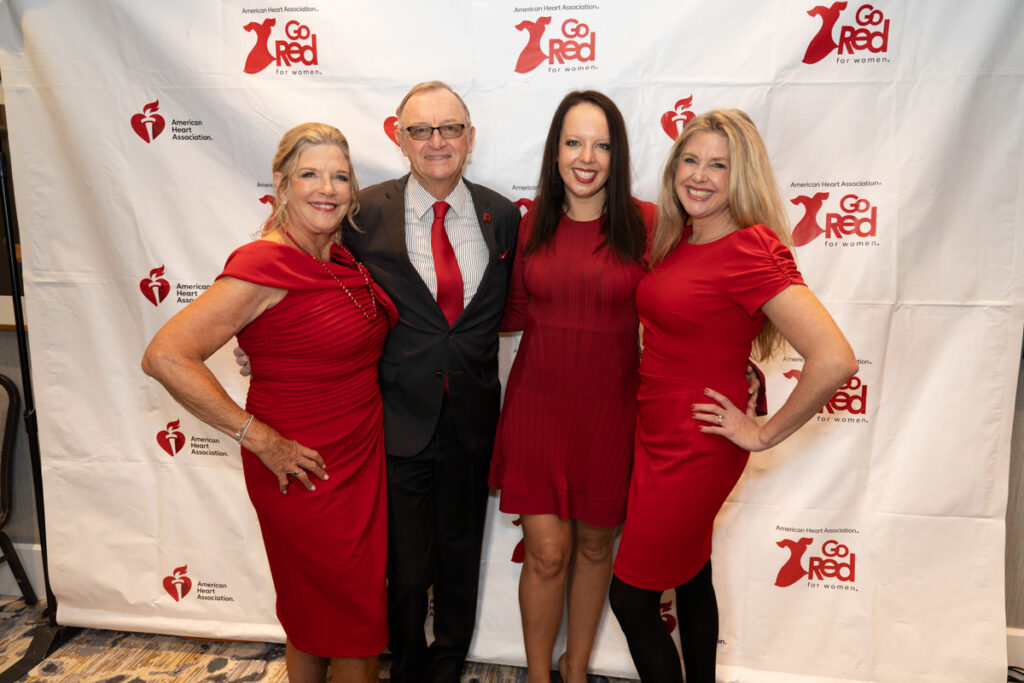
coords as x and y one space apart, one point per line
449 277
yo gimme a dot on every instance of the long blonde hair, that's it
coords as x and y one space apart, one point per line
753 195
287 158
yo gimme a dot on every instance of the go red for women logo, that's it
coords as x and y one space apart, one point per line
850 400
576 42
856 221
833 562
178 584
295 49
147 124
155 287
868 33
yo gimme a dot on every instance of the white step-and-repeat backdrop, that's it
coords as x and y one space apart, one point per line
867 547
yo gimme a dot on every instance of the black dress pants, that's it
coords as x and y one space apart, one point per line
437 502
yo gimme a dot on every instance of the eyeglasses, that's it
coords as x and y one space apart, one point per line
448 131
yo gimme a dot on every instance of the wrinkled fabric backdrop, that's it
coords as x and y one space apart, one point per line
869 546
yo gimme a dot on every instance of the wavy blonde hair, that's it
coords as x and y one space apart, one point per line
286 160
753 195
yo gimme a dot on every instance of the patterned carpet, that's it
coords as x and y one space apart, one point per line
100 656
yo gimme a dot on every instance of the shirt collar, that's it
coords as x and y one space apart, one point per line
422 202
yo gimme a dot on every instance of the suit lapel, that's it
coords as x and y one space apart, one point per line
395 242
484 219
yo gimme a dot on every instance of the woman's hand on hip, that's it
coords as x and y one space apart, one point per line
725 419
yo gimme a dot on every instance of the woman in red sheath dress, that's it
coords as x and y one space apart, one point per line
721 281
564 443
313 324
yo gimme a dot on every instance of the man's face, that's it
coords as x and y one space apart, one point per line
436 162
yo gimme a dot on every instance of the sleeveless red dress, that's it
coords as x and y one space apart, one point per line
565 436
314 379
701 310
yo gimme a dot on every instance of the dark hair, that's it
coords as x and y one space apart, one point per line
623 225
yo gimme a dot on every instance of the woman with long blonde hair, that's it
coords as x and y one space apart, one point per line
722 282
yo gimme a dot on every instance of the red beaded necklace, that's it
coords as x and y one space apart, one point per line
359 266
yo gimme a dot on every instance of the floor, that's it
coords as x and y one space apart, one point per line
100 656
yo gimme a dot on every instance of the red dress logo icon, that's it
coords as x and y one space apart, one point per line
259 56
532 56
792 571
822 44
808 228
155 288
148 124
171 439
177 584
672 121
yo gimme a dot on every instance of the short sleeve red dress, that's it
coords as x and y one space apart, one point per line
701 310
314 379
565 436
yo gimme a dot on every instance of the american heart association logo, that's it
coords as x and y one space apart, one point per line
178 584
155 288
391 128
673 121
171 439
148 124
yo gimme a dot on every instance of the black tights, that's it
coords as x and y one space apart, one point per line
650 644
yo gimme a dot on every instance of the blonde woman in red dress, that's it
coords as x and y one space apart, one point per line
313 324
722 281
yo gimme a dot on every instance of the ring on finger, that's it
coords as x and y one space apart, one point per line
720 420
296 472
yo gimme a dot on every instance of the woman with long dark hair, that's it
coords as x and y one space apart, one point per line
565 439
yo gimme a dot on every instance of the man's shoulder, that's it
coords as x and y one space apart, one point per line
383 191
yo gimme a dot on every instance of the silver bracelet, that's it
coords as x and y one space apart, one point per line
240 434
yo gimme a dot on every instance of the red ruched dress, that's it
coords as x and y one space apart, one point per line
565 436
314 379
701 310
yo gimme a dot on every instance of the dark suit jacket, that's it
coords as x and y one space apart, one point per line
422 347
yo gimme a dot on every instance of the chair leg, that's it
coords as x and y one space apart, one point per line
17 569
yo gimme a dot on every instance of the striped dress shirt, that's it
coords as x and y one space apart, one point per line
463 231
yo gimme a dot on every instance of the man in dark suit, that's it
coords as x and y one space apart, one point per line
438 373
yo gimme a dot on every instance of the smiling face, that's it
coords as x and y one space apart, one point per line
318 193
584 158
436 162
702 180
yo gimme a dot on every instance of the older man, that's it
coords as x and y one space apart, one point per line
442 248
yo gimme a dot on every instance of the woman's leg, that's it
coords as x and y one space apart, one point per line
354 670
303 667
650 645
589 573
548 542
697 609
